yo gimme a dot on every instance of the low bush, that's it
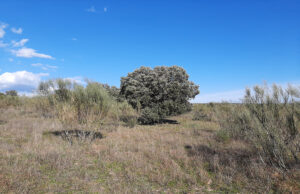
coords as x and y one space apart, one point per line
8 100
269 119
127 114
75 105
202 113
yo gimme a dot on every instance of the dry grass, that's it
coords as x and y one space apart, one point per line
165 158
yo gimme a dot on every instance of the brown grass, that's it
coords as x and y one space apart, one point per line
165 158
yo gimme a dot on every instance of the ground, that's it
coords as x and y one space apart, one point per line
166 158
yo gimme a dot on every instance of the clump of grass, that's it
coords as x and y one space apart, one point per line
222 136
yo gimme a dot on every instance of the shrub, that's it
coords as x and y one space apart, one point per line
11 93
8 100
159 92
149 116
87 106
92 101
202 113
269 121
43 105
114 92
127 114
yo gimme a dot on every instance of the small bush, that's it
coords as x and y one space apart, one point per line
43 105
92 103
202 113
149 116
269 121
8 100
11 93
127 114
78 106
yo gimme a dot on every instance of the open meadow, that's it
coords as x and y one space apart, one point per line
186 154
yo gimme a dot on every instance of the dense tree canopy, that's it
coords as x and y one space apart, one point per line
159 92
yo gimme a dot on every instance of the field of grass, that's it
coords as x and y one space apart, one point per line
191 156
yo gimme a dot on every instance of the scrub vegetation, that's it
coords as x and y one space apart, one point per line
147 138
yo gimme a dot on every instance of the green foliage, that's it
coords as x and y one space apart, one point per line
87 106
149 116
159 92
114 92
11 93
10 99
202 112
91 100
270 121
127 114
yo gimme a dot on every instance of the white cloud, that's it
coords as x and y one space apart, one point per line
11 60
22 81
74 39
29 53
91 9
2 27
105 9
17 31
20 43
2 44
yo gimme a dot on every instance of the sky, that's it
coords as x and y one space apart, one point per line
224 46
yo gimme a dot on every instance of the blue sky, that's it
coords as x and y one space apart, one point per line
224 45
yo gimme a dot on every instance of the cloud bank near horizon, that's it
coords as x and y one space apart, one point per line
22 81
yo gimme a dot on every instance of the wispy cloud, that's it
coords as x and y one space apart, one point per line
10 59
2 27
44 67
17 31
23 81
74 39
2 44
37 64
105 9
91 9
30 53
20 43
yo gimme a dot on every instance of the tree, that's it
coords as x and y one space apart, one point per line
159 92
11 93
114 92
